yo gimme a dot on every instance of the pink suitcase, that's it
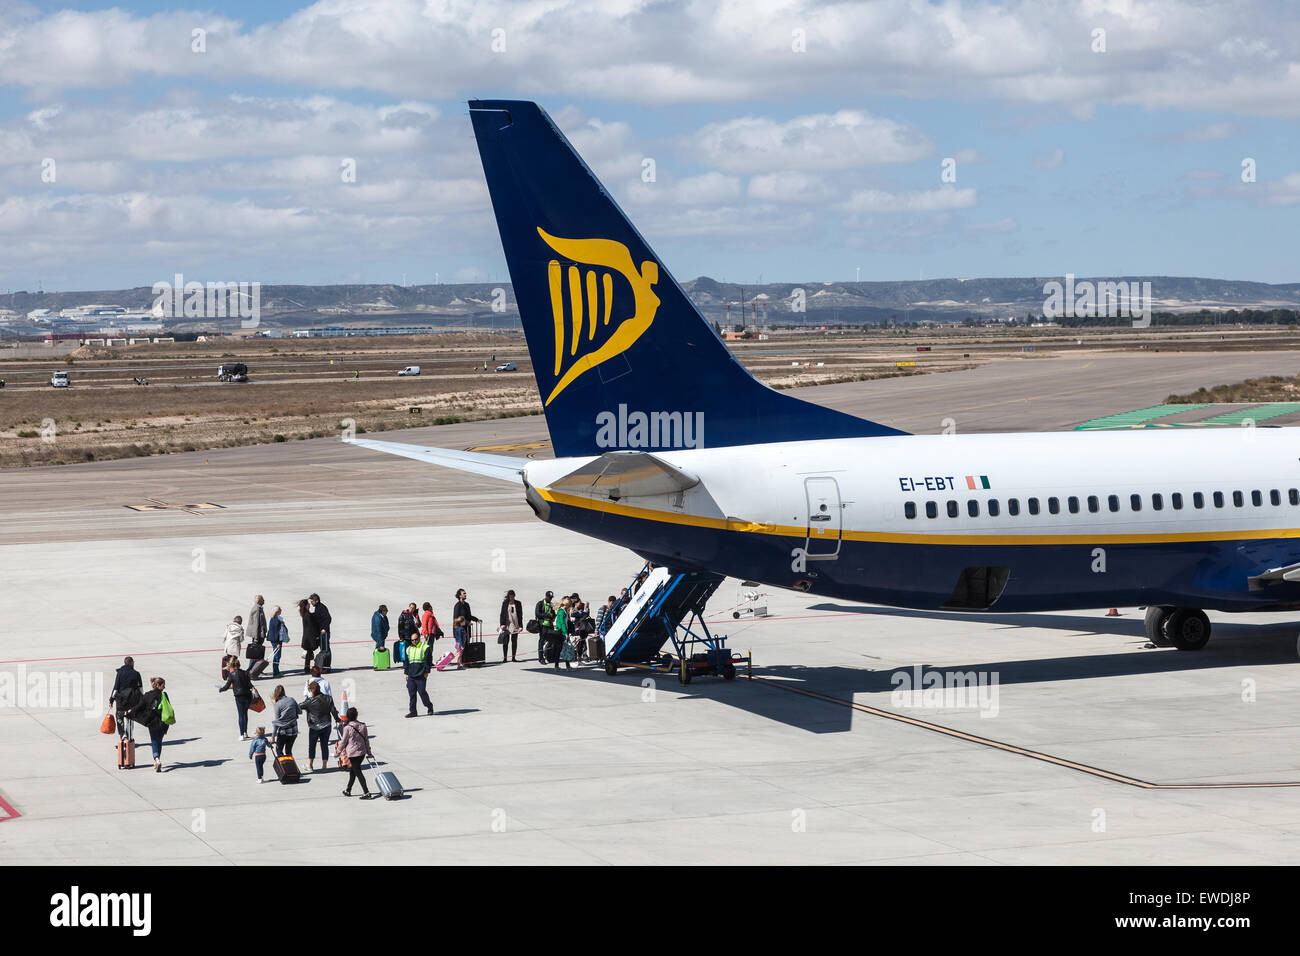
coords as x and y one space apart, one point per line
450 656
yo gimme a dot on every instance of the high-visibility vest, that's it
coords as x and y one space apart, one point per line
418 654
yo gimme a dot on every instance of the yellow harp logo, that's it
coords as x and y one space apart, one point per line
613 257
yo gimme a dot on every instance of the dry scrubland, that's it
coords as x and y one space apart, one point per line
304 388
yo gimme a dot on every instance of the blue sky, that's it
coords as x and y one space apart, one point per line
792 165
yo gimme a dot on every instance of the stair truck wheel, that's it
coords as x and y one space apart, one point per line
729 671
684 674
611 668
1188 629
1157 618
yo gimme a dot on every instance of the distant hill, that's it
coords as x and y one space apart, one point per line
922 300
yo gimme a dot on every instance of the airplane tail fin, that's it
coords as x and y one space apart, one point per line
622 357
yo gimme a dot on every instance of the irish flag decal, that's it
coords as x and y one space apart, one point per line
976 482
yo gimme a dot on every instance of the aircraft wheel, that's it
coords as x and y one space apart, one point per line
1188 629
1157 618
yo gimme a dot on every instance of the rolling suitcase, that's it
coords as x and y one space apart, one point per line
126 748
446 659
380 659
552 647
286 770
475 650
257 669
386 781
399 652
324 659
596 649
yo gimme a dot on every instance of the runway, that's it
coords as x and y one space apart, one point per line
528 764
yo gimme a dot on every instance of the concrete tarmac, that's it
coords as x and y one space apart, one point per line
1083 745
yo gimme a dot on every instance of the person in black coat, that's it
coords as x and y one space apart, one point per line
127 690
310 634
512 620
237 680
320 615
148 712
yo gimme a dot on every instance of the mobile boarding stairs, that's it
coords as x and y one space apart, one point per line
659 600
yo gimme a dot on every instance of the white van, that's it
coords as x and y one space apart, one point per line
60 380
410 370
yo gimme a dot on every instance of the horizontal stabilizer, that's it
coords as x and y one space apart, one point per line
626 474
492 466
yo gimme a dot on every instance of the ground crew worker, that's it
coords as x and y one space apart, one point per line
418 658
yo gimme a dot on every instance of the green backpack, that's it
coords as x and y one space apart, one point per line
166 711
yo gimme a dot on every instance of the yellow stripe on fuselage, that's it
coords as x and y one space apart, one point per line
973 539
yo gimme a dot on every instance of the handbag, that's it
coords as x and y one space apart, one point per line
108 725
255 652
567 653
166 711
503 638
258 705
533 627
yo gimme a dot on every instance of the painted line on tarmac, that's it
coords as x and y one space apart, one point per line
8 808
1020 751
201 650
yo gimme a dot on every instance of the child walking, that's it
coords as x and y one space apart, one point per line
257 752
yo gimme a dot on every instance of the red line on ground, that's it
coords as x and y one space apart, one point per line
8 809
95 657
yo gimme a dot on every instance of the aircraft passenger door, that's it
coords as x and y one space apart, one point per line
824 520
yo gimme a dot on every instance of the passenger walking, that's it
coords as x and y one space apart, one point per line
321 713
354 741
429 628
255 629
234 643
285 722
310 635
127 691
155 712
462 618
512 614
603 611
237 680
257 752
544 614
321 620
314 676
379 626
408 624
277 632
562 629
419 657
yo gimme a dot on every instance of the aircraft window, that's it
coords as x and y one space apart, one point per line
1073 504
1135 502
993 507
1112 502
909 509
1275 497
1054 506
931 509
1256 498
1013 506
973 508
1293 496
1198 500
1033 505
1094 504
1157 502
952 508
1176 499
1218 499
1238 499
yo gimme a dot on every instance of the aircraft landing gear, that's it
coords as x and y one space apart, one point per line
1188 629
1157 618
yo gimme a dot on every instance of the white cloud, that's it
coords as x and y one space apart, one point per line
1052 160
930 200
842 140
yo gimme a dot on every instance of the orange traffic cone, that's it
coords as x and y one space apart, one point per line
1113 612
